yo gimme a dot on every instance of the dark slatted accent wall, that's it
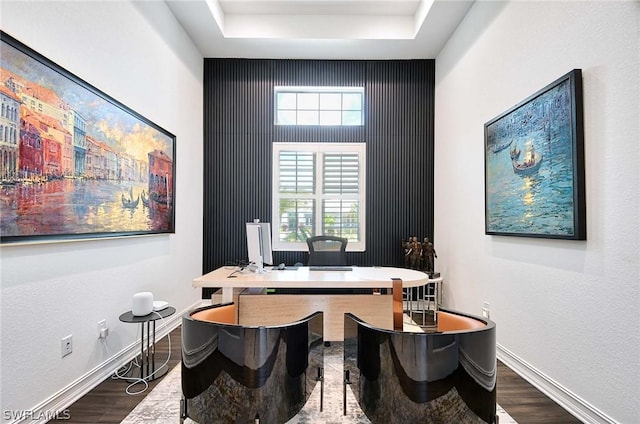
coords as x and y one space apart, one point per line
239 130
399 97
238 121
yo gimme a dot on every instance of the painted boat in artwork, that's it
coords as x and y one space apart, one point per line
145 199
530 164
130 203
514 152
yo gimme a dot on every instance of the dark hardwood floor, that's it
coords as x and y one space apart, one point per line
108 402
525 403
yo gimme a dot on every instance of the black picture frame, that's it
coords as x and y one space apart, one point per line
74 162
534 165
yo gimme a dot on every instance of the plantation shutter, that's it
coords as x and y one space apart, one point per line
341 183
297 172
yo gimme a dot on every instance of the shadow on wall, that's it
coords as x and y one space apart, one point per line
17 261
568 255
461 42
167 28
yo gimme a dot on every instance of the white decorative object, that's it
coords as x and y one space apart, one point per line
142 303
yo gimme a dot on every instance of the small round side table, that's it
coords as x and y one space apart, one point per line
147 369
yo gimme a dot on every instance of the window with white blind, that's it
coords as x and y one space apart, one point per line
318 188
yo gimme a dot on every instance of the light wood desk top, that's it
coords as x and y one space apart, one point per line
358 277
379 310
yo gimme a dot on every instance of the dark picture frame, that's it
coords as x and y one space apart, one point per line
74 162
534 165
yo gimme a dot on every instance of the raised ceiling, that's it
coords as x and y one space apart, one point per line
320 29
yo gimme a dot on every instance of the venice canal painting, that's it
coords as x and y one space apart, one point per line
534 165
75 163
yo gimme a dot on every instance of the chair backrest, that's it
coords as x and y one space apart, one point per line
429 376
263 365
327 250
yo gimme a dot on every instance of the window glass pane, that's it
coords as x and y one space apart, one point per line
340 173
330 117
286 117
308 101
307 117
297 172
351 118
352 101
296 219
330 101
340 218
286 101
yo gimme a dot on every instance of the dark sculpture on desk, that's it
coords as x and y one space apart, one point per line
412 252
420 256
406 247
429 255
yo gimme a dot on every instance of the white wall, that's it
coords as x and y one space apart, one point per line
567 312
138 54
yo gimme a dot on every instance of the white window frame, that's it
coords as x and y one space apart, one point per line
318 196
318 108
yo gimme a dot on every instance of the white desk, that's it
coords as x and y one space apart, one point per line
359 278
384 311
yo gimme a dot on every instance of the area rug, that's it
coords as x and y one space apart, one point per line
162 405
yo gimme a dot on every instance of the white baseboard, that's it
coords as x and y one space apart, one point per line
64 398
570 401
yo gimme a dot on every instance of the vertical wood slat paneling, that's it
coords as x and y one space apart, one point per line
399 156
239 131
237 156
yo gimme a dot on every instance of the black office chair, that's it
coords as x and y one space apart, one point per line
327 251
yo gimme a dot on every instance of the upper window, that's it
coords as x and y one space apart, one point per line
341 106
318 188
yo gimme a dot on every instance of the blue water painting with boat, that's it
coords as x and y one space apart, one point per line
529 168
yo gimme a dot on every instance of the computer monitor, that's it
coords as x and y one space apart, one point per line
259 243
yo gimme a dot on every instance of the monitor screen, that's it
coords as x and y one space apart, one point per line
259 243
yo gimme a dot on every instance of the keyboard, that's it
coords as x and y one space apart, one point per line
330 268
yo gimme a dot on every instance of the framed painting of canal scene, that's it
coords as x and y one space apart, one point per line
74 162
534 165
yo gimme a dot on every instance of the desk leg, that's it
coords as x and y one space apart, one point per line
227 294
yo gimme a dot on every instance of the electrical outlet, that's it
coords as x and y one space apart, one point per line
67 345
485 310
103 330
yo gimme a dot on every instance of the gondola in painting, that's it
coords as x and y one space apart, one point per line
534 165
74 162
